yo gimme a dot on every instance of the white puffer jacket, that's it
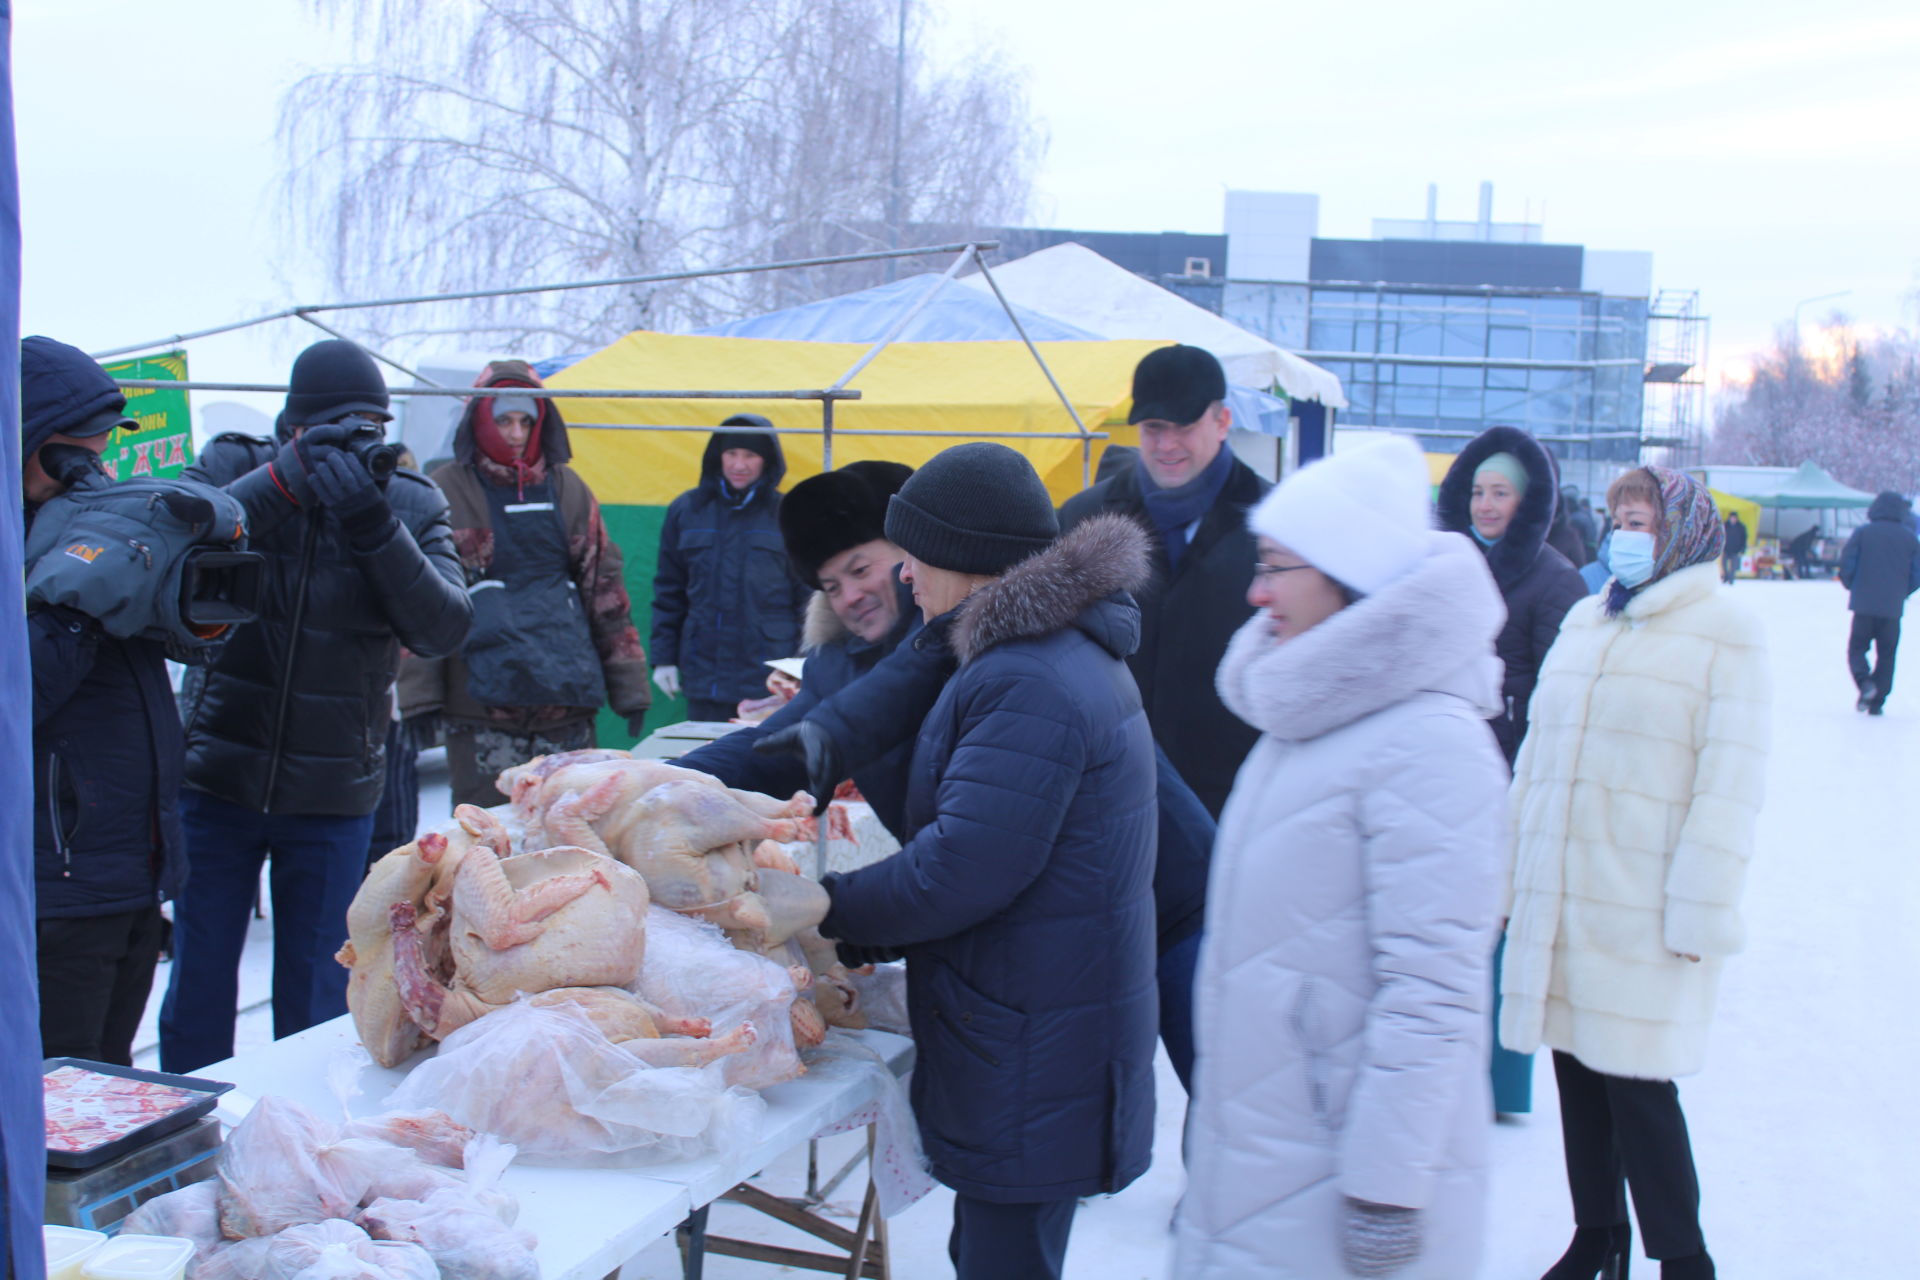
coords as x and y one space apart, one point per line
1634 803
1341 1001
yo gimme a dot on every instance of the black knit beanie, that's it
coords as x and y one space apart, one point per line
331 379
974 508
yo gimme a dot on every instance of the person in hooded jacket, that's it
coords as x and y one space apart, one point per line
553 637
1022 898
724 599
1635 800
1339 1123
286 730
1735 549
1880 568
1500 492
107 848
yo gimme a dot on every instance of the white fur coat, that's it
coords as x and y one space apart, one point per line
1634 803
1340 1008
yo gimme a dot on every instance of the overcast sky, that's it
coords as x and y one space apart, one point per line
1763 152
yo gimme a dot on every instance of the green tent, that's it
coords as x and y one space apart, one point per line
1812 487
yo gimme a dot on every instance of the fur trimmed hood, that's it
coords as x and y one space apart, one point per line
1060 587
1514 554
1429 631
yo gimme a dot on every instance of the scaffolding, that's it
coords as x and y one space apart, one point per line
1674 425
969 252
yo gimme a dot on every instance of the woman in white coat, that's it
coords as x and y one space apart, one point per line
1634 803
1341 1103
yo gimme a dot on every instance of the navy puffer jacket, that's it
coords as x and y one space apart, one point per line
1538 583
1023 898
724 599
1880 566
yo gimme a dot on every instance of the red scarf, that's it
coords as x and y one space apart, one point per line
526 466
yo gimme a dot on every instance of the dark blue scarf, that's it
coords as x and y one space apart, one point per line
1173 510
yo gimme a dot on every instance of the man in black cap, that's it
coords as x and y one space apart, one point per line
724 601
107 846
1192 496
834 527
286 731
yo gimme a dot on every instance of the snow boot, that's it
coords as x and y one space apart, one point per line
1869 695
1597 1253
1698 1267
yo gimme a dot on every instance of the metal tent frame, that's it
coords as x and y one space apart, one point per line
972 251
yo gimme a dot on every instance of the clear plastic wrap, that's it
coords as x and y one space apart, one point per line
284 1166
465 1241
235 1260
435 1135
901 1174
547 1080
191 1213
693 971
883 996
338 1250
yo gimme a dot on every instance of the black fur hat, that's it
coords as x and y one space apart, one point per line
837 511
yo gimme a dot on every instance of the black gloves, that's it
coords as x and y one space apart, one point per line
636 725
1379 1239
343 485
294 465
816 750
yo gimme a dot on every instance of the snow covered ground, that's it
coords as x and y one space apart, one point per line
1806 1118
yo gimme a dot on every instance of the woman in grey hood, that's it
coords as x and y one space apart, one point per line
1341 1104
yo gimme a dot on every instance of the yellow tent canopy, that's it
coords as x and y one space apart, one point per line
1745 508
964 389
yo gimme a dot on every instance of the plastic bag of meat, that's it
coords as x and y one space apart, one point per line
235 1260
284 1166
191 1213
692 971
437 1136
549 1081
337 1250
465 1241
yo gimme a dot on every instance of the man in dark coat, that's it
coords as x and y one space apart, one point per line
834 529
724 601
1880 568
286 731
1023 896
107 847
1191 495
1735 549
553 637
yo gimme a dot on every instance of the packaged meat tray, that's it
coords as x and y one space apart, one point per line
97 1112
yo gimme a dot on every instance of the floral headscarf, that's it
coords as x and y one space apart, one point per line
1689 533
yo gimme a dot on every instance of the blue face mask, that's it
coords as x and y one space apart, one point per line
1630 556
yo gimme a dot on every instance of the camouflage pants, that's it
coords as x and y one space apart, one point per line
476 755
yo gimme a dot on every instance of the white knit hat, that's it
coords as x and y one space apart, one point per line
1361 516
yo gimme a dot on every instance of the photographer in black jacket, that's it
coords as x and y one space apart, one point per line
106 759
286 732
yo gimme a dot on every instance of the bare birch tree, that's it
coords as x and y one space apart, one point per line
484 143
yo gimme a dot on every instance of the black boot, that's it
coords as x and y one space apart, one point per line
1597 1253
1698 1267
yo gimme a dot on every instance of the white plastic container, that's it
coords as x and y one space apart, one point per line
67 1248
139 1258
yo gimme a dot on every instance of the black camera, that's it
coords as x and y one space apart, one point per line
367 441
147 557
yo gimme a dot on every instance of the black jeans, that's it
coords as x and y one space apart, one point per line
1004 1241
1883 634
1622 1133
95 975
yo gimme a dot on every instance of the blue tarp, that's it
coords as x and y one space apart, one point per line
955 315
23 1151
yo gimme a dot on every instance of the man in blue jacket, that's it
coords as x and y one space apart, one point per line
107 755
1880 568
1023 896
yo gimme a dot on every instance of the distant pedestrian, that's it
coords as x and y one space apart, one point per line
725 600
553 638
1635 800
1582 521
1500 492
1736 547
1880 568
1339 1124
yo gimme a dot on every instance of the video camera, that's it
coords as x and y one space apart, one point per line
367 441
159 559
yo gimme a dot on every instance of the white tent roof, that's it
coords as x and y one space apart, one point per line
1071 282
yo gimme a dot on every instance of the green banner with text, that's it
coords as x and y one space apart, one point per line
162 445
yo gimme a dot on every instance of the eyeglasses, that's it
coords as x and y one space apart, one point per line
1261 569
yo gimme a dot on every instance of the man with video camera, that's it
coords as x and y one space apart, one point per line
107 846
286 731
